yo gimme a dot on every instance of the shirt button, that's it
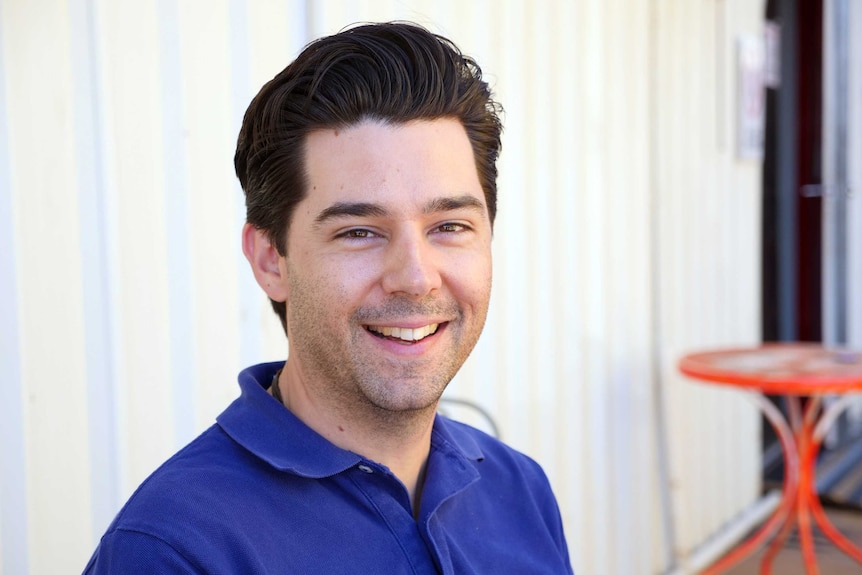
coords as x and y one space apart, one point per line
365 468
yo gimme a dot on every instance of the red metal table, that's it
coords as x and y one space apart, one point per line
793 370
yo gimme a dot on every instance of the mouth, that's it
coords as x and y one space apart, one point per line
404 335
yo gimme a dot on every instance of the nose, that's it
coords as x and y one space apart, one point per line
412 266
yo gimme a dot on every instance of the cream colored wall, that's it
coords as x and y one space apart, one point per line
50 447
707 226
627 234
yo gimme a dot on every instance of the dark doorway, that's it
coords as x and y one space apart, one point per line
792 266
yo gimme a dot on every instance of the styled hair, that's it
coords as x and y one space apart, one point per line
392 72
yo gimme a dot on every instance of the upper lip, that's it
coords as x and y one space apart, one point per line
405 324
406 333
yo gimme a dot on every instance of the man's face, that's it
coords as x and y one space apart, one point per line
388 266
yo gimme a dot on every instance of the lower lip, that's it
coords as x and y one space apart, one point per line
408 349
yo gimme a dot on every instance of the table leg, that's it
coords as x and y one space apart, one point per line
794 409
811 430
830 415
794 501
800 503
832 532
788 490
807 466
778 542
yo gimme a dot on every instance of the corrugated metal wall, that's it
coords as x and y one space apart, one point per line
842 179
854 156
707 214
627 235
842 170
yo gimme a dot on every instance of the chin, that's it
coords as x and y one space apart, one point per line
392 401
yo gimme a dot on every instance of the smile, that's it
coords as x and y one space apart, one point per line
404 333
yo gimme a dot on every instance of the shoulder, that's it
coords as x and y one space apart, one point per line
174 513
193 481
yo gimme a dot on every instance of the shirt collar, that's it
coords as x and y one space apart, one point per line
451 435
259 423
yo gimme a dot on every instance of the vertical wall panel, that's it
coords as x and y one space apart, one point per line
210 140
632 293
14 548
514 194
590 222
249 300
277 32
708 205
179 223
48 275
842 178
541 346
842 171
135 131
97 287
854 155
570 441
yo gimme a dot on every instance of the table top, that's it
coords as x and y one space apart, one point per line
780 368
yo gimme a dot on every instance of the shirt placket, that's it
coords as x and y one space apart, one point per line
389 500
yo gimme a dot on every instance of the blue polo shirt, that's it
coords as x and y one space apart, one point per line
261 492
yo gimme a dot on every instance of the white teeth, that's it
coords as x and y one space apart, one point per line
406 333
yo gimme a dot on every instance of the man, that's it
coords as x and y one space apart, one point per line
369 171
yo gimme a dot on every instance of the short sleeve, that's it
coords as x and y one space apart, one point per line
136 553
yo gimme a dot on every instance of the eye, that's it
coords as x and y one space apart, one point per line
357 234
450 227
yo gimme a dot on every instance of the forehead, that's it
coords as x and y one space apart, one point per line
384 163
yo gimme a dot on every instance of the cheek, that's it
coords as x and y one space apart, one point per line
471 282
339 286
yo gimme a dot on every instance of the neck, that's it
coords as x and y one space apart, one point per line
399 440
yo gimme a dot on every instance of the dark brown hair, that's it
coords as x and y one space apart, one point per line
394 72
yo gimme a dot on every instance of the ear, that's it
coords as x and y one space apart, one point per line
267 264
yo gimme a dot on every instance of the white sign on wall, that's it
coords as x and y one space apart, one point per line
751 97
772 45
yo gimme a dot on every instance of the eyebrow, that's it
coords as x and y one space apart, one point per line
350 209
369 209
448 204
